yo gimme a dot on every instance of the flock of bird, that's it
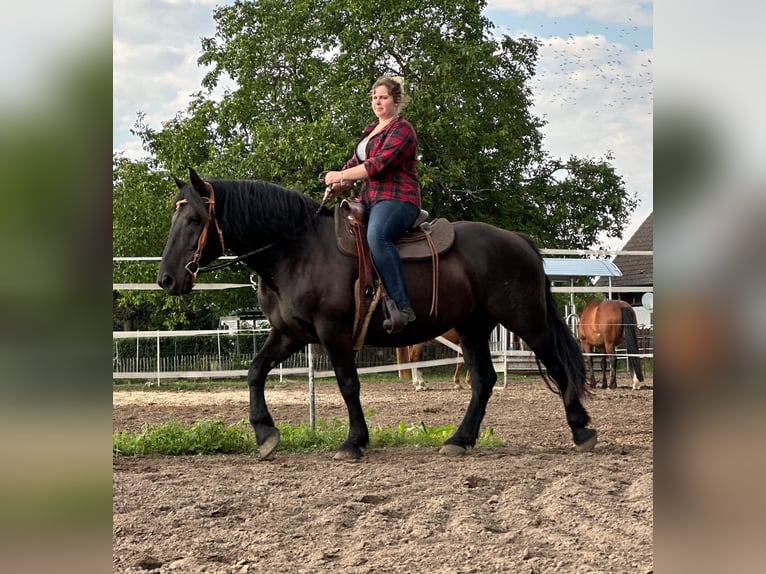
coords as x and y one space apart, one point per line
608 66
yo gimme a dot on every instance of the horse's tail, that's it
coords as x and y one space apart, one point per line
564 343
631 341
567 349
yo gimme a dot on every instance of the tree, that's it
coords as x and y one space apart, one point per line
301 73
141 202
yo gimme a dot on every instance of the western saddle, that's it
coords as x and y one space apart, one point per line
424 240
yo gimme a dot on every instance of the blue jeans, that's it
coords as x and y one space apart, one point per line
388 220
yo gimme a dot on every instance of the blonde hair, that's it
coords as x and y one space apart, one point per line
395 86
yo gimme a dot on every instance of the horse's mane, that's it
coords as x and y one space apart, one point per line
251 208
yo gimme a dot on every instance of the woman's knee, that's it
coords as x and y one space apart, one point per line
380 245
378 237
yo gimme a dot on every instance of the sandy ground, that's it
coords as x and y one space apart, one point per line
533 506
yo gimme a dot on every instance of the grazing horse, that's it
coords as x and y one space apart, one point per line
306 287
604 325
412 354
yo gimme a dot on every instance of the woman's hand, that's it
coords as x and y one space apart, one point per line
335 183
334 178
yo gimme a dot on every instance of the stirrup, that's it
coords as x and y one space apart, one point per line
399 319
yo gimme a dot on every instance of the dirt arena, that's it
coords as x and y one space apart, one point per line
533 506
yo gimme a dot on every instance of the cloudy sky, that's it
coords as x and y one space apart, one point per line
593 86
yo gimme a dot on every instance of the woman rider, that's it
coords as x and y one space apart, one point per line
385 160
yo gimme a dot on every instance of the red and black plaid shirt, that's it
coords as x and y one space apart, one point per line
391 164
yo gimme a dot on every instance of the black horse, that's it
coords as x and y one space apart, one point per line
305 288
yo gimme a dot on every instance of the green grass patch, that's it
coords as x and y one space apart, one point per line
216 437
174 438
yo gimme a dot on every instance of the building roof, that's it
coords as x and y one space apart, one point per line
637 270
564 268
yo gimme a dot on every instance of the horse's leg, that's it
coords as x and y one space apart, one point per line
456 376
603 363
416 352
403 356
453 337
577 417
612 354
588 350
458 370
630 335
418 381
553 344
348 382
483 378
277 348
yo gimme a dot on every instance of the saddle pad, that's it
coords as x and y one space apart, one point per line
412 245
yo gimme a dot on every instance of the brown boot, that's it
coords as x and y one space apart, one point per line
399 319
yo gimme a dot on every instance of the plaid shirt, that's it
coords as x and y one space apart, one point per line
391 164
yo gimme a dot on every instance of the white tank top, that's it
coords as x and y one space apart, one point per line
361 149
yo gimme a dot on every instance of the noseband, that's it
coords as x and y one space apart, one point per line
193 265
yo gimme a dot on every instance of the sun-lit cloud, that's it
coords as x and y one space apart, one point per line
156 46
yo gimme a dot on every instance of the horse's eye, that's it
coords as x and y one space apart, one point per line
193 217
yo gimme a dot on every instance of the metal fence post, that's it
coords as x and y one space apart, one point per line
312 407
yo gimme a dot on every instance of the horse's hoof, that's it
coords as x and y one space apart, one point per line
589 443
452 450
348 455
269 444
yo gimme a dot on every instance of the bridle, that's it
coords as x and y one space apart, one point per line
193 265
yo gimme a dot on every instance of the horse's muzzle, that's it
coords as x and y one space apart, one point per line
173 287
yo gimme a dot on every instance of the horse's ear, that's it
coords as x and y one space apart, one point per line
179 183
197 183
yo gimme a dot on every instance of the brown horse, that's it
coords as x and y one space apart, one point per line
604 325
412 354
490 276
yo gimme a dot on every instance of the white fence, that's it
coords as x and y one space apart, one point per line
139 355
225 354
